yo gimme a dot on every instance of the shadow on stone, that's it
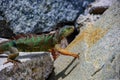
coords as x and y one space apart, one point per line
63 74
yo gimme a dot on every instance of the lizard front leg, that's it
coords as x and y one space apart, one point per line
12 56
66 52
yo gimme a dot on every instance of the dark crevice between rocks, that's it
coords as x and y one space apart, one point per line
98 10
61 24
71 37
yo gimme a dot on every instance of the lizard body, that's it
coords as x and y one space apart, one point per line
43 42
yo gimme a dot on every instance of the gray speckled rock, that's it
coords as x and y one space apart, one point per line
103 3
35 66
39 15
99 48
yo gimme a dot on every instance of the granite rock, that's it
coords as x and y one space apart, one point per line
84 19
35 16
35 66
99 6
99 47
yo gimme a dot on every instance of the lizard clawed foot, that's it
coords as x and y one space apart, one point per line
65 52
15 63
74 55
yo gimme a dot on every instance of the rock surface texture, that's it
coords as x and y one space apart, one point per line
35 16
35 66
99 48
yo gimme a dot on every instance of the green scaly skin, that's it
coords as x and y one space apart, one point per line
34 44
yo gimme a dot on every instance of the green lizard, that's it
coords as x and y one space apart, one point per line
48 42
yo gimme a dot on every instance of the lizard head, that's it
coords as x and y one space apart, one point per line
66 31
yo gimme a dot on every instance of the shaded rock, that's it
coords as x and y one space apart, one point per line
35 16
99 48
100 6
35 66
5 31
